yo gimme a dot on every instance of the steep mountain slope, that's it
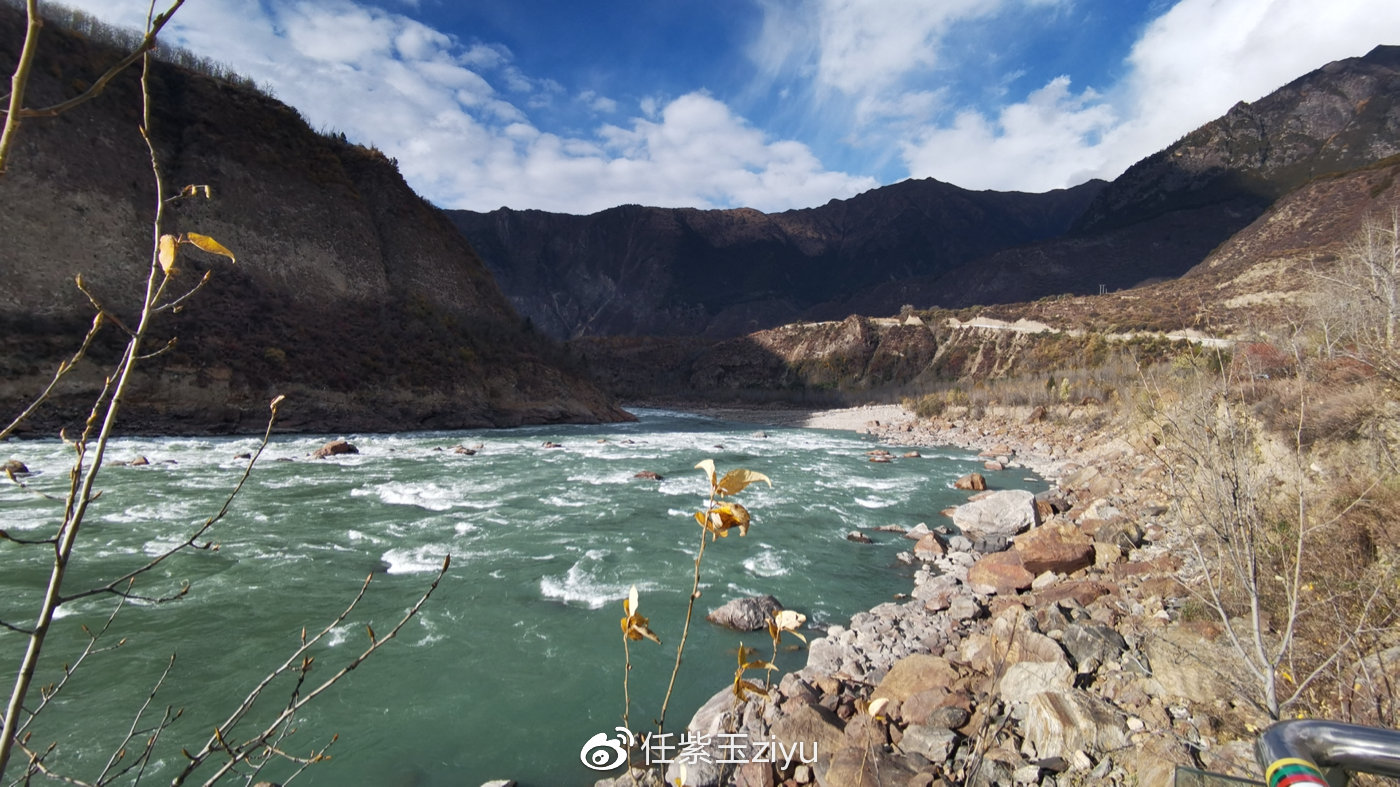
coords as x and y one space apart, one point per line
1166 213
634 270
351 294
1262 275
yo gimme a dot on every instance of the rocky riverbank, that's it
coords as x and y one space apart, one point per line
1041 644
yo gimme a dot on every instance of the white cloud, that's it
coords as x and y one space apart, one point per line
1035 145
600 104
456 114
1189 66
696 153
874 79
868 45
1201 57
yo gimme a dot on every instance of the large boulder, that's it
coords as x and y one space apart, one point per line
1186 665
913 674
1060 548
1060 723
334 448
1025 679
991 521
1092 645
1000 573
1010 639
1368 694
746 614
972 482
862 766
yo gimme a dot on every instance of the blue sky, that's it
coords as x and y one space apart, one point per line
771 104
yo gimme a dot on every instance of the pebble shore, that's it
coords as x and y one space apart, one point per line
1051 656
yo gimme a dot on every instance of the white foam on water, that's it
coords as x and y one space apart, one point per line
560 501
425 494
585 584
415 560
874 502
431 634
159 546
871 484
602 479
463 528
336 636
577 587
160 511
766 564
295 481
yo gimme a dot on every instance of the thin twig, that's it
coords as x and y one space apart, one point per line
148 43
175 304
133 730
69 669
189 543
241 752
63 369
689 613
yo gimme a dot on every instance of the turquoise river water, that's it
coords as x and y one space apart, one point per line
517 660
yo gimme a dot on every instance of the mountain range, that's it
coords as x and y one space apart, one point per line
721 273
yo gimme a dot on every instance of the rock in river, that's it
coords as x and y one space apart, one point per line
746 614
333 448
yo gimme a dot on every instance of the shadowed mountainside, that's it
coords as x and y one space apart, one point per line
351 294
634 270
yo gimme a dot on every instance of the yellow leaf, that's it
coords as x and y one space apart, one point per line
166 254
206 243
734 481
743 688
708 465
727 515
635 626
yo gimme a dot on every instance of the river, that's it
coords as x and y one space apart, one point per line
517 660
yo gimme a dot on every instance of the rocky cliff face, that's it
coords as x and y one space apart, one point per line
634 270
351 294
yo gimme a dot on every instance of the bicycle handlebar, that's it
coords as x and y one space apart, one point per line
1293 752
